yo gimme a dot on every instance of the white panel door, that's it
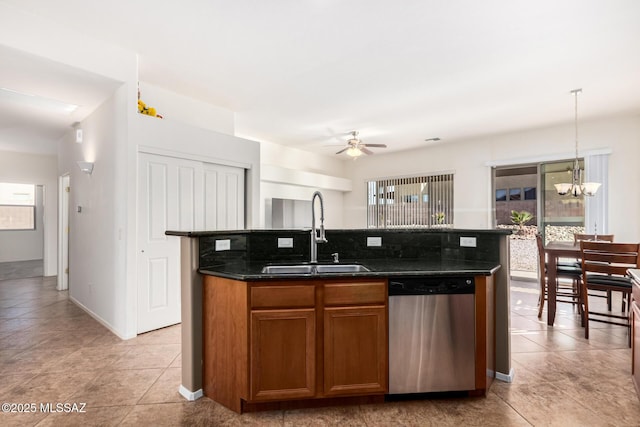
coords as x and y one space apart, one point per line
223 197
185 195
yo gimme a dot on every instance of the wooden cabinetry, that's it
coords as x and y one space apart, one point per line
278 341
355 338
635 331
282 354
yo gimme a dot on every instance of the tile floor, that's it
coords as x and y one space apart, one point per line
21 269
53 352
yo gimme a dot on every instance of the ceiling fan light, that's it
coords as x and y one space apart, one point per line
354 152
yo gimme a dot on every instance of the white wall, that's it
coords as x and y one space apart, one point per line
97 237
32 169
289 173
179 108
468 159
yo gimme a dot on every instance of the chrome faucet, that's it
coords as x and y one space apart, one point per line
315 239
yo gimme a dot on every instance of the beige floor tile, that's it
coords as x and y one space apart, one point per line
52 387
202 412
546 404
117 388
165 389
521 343
23 419
148 356
350 416
58 352
106 416
90 358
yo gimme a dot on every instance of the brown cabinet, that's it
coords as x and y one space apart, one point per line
282 354
355 350
355 338
635 332
280 341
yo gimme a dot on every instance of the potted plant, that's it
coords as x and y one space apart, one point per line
521 218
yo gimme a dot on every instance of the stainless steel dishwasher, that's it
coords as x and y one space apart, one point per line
431 334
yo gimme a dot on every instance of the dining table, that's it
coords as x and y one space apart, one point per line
555 250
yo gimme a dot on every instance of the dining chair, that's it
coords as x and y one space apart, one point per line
604 267
564 292
577 238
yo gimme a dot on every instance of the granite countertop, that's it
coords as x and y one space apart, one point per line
635 274
375 231
240 270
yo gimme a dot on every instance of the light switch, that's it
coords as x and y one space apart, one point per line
285 242
468 242
374 241
223 245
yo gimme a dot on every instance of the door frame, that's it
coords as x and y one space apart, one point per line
64 182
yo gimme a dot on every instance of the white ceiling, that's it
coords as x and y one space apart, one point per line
306 72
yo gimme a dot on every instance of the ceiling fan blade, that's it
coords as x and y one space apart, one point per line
365 151
343 150
375 145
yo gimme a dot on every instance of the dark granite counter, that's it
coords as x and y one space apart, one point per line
252 271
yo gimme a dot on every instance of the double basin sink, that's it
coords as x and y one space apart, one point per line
314 269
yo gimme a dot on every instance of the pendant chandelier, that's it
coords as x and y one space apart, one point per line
577 187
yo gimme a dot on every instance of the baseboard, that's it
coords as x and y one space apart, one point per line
504 377
190 395
99 319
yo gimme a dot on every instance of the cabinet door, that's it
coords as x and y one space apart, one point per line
283 354
635 354
355 350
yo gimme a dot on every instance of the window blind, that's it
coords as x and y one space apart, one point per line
415 201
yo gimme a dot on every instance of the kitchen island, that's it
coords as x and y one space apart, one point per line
225 273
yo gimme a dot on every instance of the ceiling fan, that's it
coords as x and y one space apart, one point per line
355 147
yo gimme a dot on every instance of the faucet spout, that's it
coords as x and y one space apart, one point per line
315 238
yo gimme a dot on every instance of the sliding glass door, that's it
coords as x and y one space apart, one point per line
560 216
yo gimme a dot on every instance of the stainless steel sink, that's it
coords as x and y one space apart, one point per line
313 269
287 269
341 268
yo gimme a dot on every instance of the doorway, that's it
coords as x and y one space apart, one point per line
64 189
22 232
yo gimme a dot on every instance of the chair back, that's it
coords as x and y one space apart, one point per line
579 237
609 258
541 256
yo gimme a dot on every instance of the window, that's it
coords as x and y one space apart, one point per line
529 193
501 195
418 201
17 206
515 194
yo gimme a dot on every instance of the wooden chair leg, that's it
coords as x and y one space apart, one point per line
540 305
585 309
541 298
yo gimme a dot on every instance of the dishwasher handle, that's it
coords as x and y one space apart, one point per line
432 286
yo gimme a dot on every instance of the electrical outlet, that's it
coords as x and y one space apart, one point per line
285 242
374 241
223 245
468 242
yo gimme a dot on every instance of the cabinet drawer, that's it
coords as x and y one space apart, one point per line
285 296
355 293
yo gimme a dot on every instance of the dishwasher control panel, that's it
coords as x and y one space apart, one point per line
431 285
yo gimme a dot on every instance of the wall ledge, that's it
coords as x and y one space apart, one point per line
280 175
